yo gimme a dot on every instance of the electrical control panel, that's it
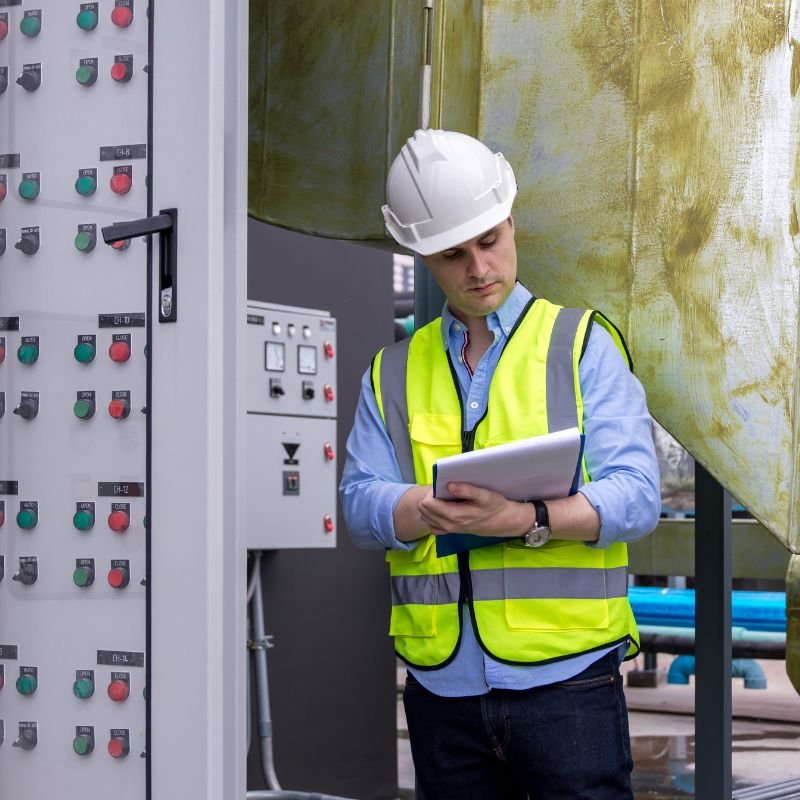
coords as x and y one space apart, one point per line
74 94
291 427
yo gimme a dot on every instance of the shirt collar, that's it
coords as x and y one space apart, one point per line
501 322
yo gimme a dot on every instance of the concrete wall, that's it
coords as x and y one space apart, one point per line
332 670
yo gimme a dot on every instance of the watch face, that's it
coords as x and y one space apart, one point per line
537 537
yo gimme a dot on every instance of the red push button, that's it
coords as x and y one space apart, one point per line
2 678
122 16
2 518
2 353
122 244
121 183
119 351
328 389
118 747
328 349
118 578
328 451
119 408
119 521
3 192
3 29
119 690
327 521
122 71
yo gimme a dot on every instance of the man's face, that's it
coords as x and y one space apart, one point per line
477 276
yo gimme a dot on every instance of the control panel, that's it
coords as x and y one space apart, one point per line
74 91
291 427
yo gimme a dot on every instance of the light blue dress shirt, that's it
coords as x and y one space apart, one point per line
619 455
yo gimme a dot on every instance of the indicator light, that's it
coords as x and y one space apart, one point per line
86 19
2 517
118 747
3 192
29 189
83 688
122 16
83 577
328 390
328 451
86 185
86 75
119 351
3 29
306 332
328 349
118 578
119 408
119 521
85 241
83 745
84 352
27 519
122 71
83 520
30 80
28 353
26 684
327 521
119 690
122 244
121 183
30 26
83 409
2 353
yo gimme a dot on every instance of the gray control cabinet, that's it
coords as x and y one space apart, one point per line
291 427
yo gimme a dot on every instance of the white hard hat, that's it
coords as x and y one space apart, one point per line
445 188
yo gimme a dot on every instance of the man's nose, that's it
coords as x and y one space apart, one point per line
478 265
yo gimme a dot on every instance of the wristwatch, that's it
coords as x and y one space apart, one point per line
540 533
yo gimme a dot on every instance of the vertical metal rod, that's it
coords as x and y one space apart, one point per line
712 548
428 296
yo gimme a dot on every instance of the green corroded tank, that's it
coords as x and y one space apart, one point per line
656 145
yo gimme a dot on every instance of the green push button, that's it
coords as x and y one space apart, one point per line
83 577
87 20
84 352
82 745
29 189
83 520
26 684
84 409
83 688
86 75
86 185
28 353
27 519
30 26
85 241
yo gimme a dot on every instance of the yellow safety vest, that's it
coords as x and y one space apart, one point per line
528 606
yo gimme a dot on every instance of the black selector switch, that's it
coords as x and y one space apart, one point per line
30 79
28 738
28 573
28 242
275 388
308 390
3 80
28 408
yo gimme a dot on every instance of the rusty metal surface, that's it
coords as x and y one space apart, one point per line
656 148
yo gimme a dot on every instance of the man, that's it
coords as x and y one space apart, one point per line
513 649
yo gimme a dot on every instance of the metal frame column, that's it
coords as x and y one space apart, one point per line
713 780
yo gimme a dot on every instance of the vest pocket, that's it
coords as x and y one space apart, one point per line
414 590
433 436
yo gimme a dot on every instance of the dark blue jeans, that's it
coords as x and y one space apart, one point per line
566 741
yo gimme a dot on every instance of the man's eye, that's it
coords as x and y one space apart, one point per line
451 254
488 242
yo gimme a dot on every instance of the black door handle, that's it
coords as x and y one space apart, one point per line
165 224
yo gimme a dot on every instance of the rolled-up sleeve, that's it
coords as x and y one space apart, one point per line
371 481
619 450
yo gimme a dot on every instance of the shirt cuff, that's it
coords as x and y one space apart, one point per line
385 500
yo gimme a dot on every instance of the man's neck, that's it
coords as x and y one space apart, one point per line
480 338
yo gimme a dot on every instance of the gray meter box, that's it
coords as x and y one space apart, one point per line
291 427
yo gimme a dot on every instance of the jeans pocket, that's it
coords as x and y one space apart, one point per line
604 672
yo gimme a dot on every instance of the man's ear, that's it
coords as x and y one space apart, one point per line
511 221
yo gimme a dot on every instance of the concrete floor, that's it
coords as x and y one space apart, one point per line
766 732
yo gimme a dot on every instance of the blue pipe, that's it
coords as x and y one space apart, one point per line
756 611
683 666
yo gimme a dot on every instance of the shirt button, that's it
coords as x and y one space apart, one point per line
457 326
508 329
460 360
473 405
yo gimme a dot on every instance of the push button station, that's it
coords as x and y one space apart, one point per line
120 406
83 574
83 743
83 519
30 186
86 184
28 351
83 687
2 349
28 681
120 687
3 187
3 25
31 23
122 70
122 15
119 519
87 18
119 744
86 238
121 180
119 574
85 405
28 514
120 349
86 348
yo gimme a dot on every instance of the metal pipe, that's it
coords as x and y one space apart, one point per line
685 645
769 791
683 666
260 644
